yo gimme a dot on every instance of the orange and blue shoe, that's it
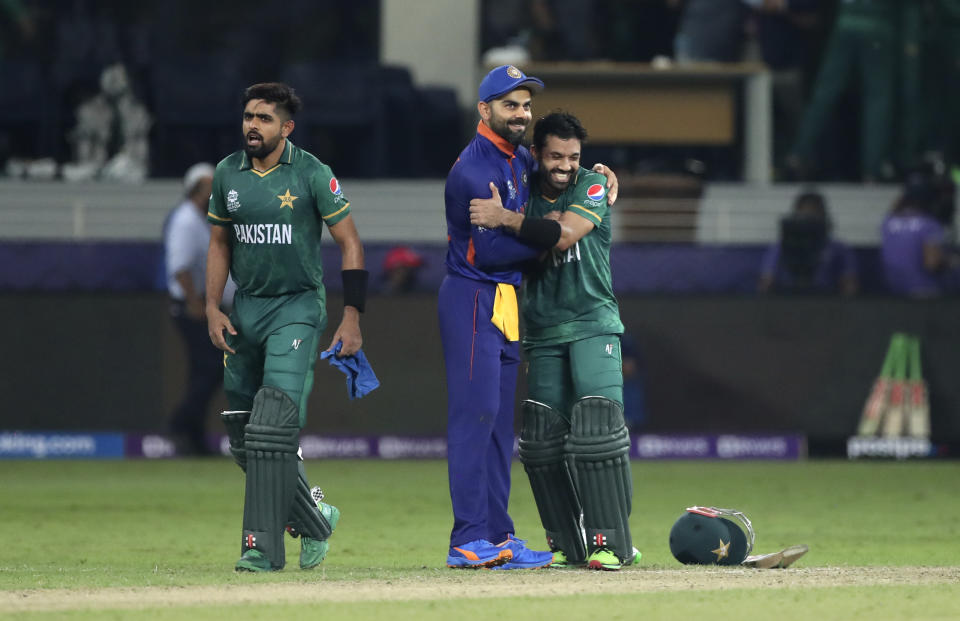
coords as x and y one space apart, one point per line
476 554
524 557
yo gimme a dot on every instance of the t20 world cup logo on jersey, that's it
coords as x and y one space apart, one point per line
232 203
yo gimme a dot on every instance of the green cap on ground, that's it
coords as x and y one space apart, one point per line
701 539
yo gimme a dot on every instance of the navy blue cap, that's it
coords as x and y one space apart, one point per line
504 79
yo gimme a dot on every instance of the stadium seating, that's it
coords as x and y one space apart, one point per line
24 100
195 102
342 121
441 130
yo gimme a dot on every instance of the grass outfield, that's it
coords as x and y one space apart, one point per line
158 539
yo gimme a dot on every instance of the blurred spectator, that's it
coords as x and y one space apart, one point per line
914 107
505 31
942 91
914 249
564 29
186 238
864 45
784 32
781 31
709 30
634 391
634 31
23 26
514 31
401 266
807 259
110 139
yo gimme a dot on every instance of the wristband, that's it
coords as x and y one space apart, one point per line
355 288
540 232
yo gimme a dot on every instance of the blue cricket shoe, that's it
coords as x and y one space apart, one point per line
524 557
476 554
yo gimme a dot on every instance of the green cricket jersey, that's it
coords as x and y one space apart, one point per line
570 296
277 219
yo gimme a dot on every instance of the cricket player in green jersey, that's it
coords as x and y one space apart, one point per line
574 444
269 204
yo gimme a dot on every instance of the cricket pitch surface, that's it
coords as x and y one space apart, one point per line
442 584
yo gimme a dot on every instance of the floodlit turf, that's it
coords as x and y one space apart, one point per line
86 526
827 604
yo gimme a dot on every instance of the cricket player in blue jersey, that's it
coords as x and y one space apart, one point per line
479 323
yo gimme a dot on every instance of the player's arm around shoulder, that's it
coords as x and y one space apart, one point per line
610 181
470 181
488 211
586 210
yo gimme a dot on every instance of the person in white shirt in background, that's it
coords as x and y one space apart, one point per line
186 238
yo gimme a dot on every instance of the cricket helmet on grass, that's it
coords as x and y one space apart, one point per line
711 536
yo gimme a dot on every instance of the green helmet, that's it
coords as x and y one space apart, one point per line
705 536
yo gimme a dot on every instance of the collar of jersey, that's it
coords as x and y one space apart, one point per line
285 158
484 130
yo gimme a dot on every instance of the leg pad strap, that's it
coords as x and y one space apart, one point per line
598 450
542 437
236 422
271 440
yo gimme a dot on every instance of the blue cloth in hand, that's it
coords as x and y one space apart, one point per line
360 377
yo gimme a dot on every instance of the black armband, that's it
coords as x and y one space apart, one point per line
540 232
355 288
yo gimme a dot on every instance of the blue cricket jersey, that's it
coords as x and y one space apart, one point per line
475 252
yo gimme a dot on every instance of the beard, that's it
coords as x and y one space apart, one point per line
502 129
548 180
264 149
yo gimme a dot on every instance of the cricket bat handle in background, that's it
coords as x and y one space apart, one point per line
918 424
893 422
873 410
918 418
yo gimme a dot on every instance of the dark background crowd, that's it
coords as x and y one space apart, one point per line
188 61
864 90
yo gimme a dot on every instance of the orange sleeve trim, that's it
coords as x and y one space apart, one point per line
210 214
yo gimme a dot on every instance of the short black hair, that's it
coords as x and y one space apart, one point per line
276 93
563 125
810 197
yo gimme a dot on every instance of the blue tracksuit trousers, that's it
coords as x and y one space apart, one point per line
481 368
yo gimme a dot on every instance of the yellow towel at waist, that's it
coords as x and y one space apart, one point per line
506 316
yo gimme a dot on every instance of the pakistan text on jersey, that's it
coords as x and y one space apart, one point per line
264 233
569 255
